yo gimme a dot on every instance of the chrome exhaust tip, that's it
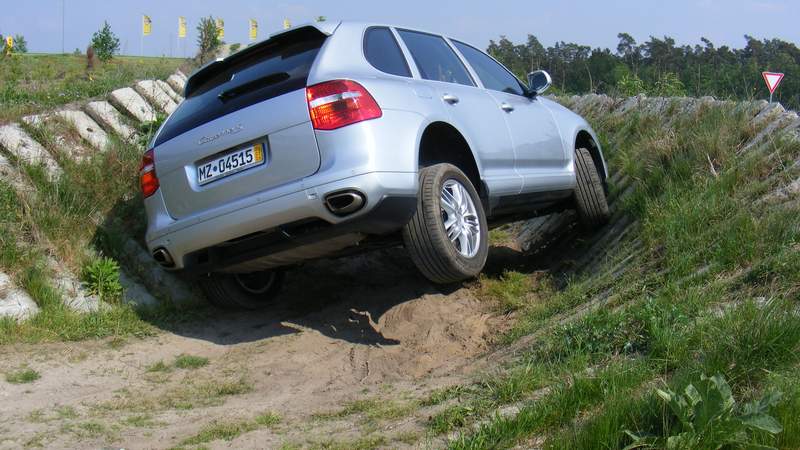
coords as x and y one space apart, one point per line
343 203
162 256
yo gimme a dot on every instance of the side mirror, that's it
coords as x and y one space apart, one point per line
539 82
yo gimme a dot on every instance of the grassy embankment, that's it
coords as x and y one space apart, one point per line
60 219
37 83
714 291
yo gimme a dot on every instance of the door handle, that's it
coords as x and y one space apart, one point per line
450 98
506 107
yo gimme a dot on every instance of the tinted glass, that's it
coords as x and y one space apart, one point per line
492 75
434 58
382 51
258 73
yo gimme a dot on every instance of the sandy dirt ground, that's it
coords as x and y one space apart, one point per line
364 328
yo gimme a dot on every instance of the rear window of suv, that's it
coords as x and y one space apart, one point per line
434 58
258 73
383 52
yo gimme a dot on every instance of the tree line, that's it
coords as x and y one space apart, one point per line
659 67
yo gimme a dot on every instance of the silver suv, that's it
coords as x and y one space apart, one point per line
333 138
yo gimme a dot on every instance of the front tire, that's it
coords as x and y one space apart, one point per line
447 235
242 291
590 194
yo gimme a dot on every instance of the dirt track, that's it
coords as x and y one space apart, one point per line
329 340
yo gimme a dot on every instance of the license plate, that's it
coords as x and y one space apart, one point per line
230 163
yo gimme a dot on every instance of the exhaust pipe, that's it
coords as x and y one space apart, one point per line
162 256
344 202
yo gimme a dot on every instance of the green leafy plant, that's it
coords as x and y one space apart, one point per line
709 418
102 278
630 85
669 85
105 43
148 129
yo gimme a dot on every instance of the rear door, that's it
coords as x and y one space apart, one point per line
470 108
250 105
540 156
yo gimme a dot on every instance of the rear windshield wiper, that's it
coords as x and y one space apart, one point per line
250 86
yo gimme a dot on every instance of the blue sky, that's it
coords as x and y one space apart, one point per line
591 22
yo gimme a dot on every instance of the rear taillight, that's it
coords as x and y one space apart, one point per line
147 174
338 103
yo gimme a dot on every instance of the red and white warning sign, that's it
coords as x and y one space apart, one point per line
773 80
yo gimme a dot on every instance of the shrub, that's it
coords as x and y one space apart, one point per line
207 38
669 85
708 418
105 43
102 278
20 44
630 85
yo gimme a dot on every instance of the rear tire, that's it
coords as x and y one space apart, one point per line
590 194
242 291
447 235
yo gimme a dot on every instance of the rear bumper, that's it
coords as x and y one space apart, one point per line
292 220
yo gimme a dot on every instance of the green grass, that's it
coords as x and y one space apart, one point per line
510 290
35 83
22 376
371 410
158 366
713 291
194 393
190 362
228 431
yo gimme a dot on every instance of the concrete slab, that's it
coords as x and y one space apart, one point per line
134 293
11 174
111 119
64 141
15 302
155 277
150 90
17 142
177 83
131 103
177 98
87 128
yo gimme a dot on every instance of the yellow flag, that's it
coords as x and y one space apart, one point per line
146 25
253 29
286 24
9 42
220 29
181 27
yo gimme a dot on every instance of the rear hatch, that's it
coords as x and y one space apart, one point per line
243 128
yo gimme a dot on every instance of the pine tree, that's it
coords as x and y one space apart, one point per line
20 44
105 43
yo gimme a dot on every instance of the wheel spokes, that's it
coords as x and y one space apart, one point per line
460 217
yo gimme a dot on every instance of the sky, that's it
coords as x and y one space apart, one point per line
588 22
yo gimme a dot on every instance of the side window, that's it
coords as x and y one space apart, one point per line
435 59
383 53
493 75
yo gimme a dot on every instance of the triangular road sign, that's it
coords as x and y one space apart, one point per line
772 79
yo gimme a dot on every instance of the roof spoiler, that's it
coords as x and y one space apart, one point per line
207 71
